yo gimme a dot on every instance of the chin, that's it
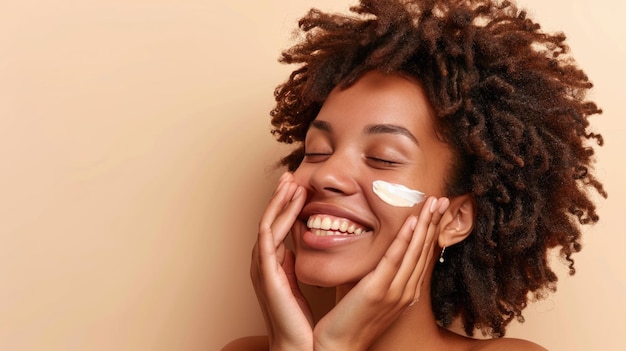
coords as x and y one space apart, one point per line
327 274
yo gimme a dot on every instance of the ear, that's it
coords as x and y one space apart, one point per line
458 220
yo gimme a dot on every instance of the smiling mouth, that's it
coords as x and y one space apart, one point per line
325 225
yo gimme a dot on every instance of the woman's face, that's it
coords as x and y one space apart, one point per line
380 128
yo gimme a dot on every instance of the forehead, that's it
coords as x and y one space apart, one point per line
378 98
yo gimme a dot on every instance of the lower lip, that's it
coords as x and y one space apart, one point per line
330 241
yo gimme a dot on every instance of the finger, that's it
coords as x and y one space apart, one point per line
280 214
290 273
286 176
413 287
265 249
431 223
388 266
271 253
437 211
421 275
415 248
427 251
288 216
278 201
275 223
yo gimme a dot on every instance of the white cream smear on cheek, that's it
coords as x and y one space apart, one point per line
396 194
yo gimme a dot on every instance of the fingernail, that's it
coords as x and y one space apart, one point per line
413 223
297 193
283 176
445 202
433 205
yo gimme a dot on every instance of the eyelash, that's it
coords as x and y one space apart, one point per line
314 154
382 161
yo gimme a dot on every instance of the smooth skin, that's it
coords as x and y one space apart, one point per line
379 128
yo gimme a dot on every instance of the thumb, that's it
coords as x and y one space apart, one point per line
290 272
288 265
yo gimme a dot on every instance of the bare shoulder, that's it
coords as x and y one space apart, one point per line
509 344
248 343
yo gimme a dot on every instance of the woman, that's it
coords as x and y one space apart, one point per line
475 115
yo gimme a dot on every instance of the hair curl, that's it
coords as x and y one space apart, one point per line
511 102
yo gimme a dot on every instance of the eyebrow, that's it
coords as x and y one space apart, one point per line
390 129
371 129
321 125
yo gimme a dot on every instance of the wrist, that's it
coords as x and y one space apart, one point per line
288 346
327 344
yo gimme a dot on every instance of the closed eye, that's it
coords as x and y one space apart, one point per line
314 157
382 161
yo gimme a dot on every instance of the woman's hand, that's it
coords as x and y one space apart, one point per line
385 293
287 314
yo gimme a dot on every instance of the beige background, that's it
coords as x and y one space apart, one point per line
135 159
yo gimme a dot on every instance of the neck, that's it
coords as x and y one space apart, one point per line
415 329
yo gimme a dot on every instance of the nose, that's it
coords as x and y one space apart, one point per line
335 175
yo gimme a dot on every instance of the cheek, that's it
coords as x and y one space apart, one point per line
301 176
393 218
390 214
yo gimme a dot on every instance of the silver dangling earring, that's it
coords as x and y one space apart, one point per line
441 260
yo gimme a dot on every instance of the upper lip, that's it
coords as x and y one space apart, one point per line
332 210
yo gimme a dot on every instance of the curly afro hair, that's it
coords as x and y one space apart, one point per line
509 100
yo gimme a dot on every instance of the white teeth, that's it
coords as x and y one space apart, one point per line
317 223
343 227
326 223
323 225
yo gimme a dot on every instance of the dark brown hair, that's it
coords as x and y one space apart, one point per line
511 102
